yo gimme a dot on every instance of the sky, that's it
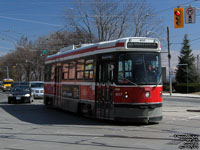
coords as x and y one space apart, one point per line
35 18
31 18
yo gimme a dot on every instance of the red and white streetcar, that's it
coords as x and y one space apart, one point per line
117 80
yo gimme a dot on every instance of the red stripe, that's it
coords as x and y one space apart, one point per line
84 51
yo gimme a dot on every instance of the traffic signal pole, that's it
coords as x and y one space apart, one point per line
169 62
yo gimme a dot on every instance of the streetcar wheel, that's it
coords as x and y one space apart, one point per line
84 109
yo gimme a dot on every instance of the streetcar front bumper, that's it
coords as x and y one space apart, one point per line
138 113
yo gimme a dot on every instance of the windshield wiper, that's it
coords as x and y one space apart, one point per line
160 76
129 81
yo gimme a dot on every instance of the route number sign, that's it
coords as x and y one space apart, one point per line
190 15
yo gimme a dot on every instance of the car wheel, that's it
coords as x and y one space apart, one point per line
9 101
31 99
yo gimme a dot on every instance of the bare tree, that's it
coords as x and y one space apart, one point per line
104 20
145 21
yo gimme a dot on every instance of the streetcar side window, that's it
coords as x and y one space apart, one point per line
80 69
125 70
128 69
65 71
72 71
89 69
120 71
48 73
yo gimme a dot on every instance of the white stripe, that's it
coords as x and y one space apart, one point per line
84 54
95 52
97 84
194 117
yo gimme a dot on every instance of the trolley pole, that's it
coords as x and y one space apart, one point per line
169 58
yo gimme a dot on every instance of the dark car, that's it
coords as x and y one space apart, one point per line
17 83
20 93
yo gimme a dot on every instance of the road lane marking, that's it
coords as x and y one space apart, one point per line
194 117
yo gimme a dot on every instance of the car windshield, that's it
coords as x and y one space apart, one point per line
20 89
8 83
36 85
142 68
20 83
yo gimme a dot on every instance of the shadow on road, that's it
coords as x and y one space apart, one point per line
40 114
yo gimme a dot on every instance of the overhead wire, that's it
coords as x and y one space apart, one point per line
180 5
161 11
31 21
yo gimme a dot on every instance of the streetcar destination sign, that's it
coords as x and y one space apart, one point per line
142 45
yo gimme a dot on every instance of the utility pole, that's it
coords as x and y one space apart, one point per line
169 58
7 72
198 63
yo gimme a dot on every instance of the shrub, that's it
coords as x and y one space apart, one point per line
182 87
166 86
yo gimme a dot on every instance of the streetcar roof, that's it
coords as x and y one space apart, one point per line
72 52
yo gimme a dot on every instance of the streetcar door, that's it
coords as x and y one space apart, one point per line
104 93
57 89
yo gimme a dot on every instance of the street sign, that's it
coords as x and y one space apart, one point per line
190 15
44 51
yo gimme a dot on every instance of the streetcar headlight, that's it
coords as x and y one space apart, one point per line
10 95
147 94
126 94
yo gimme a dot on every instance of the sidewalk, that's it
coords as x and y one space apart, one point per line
182 95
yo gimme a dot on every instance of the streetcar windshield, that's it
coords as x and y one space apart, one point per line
139 68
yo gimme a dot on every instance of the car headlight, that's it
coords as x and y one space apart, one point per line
10 95
27 95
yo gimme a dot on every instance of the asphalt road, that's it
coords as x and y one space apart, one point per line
35 127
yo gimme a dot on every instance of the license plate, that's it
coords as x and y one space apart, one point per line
18 98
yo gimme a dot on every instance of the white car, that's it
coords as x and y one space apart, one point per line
37 88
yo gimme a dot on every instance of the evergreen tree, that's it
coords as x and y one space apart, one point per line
186 57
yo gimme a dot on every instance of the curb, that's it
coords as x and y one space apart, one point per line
181 95
193 110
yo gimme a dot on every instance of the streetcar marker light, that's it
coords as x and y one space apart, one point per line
126 94
161 94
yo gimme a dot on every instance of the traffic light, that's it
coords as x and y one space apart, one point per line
178 18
